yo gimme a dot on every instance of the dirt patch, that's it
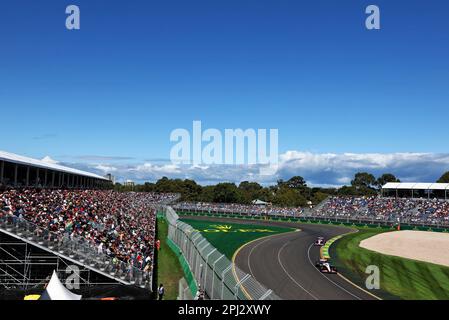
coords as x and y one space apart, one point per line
424 246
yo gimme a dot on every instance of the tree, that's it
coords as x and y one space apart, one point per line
226 193
444 178
250 191
250 186
190 190
385 178
207 194
355 191
289 197
280 183
318 197
163 185
297 183
364 180
146 187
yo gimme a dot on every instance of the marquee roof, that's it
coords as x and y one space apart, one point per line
14 158
416 186
57 291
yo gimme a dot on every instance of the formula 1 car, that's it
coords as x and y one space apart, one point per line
320 242
325 266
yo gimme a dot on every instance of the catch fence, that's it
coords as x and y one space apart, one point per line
219 277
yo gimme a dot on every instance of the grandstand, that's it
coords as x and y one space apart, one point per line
418 204
416 190
229 208
415 204
18 171
53 217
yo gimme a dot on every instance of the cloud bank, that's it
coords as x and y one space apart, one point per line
319 169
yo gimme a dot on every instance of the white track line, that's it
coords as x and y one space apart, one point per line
288 274
248 262
336 284
251 252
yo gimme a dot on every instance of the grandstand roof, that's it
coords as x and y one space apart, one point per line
416 186
11 157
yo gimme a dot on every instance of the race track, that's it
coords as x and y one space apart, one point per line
285 263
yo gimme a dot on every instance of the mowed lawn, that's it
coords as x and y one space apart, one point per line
169 270
228 237
403 278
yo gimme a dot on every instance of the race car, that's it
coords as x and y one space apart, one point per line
320 242
325 266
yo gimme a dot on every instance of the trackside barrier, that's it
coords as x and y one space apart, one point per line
184 292
348 221
214 273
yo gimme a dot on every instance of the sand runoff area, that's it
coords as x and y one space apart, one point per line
418 245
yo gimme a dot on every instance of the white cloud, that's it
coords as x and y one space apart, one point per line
49 160
321 169
151 168
340 168
106 168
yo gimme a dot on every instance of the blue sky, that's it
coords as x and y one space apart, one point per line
111 93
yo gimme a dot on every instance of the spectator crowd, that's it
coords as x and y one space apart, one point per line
405 210
233 208
120 225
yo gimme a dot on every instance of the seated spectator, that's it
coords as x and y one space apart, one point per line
120 225
415 211
232 208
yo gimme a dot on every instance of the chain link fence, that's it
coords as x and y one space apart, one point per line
311 215
214 272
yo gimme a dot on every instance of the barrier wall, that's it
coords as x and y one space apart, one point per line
215 274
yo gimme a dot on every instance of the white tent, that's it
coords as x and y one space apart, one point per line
57 291
418 186
415 186
260 203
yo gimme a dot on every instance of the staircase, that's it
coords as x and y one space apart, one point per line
76 250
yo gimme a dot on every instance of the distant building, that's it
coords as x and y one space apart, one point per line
110 177
129 183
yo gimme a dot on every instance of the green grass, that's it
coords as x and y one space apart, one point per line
399 277
169 270
301 221
228 237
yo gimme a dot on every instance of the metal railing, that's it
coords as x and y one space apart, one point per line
215 273
184 292
77 249
312 215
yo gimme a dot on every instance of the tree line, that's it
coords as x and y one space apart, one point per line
290 193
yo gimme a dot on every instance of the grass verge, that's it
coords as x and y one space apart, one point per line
399 277
228 237
169 270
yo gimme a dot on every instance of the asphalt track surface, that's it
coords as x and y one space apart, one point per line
285 263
